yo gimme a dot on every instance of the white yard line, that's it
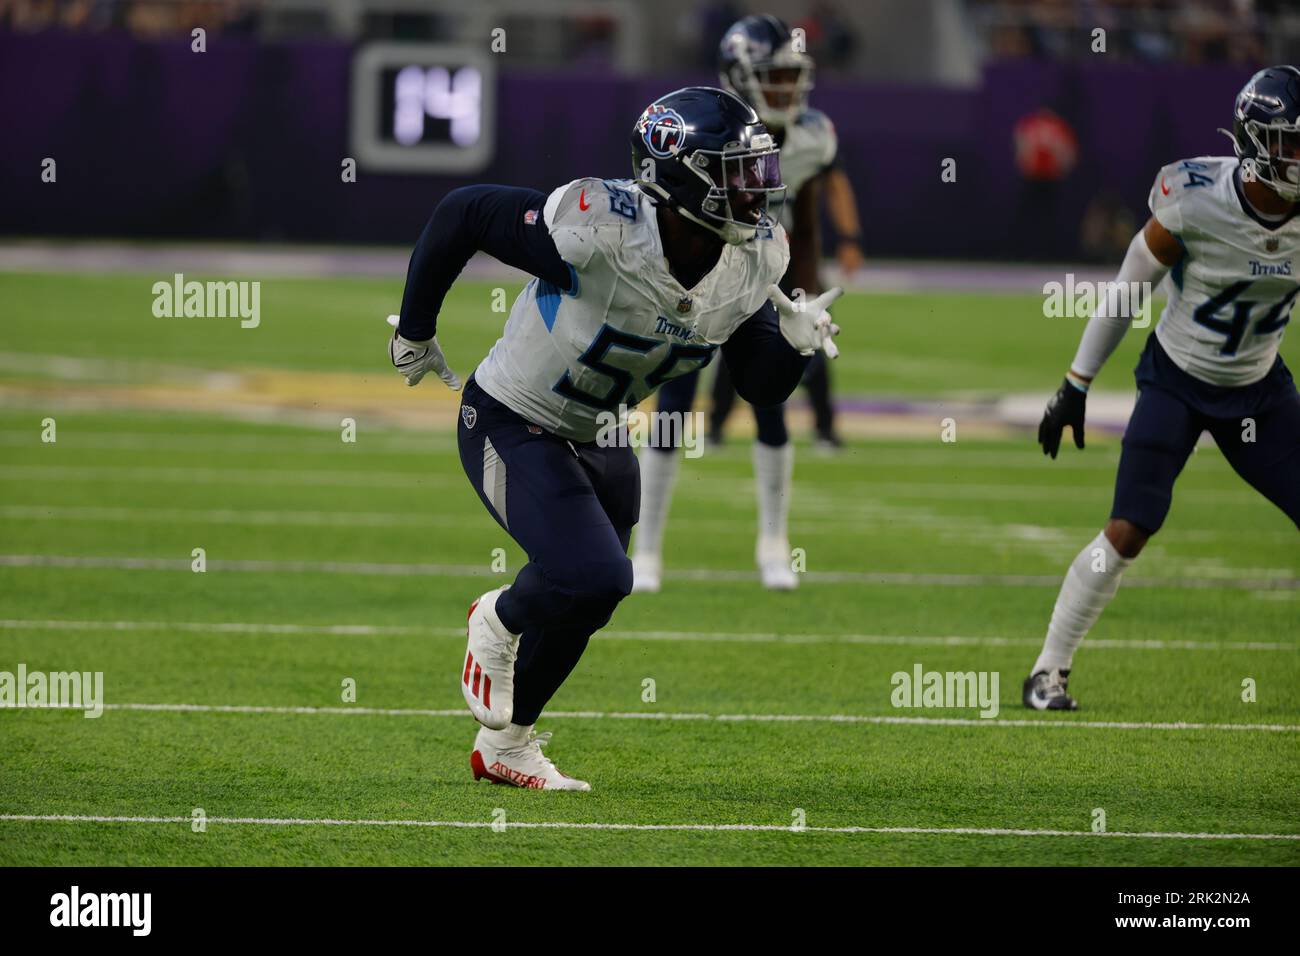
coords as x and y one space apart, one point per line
376 441
1222 578
884 720
642 827
712 637
270 477
241 516
954 527
857 490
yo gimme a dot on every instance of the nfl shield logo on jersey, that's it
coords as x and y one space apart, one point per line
1271 244
468 415
530 217
684 304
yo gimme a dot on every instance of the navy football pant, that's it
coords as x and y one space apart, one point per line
1173 409
571 507
678 395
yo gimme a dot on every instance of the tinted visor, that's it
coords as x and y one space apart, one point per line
749 172
747 182
757 172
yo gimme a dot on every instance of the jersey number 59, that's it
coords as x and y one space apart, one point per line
623 380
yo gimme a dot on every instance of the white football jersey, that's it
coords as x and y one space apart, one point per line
563 358
1230 295
809 146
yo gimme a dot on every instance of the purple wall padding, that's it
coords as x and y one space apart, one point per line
246 140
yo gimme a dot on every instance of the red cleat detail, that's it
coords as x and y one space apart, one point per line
487 691
477 672
469 662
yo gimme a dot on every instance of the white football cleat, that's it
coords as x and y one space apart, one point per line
647 573
773 557
488 681
514 756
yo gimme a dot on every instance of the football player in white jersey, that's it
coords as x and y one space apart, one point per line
1226 231
636 282
758 61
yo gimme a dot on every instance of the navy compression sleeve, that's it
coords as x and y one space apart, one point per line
490 219
765 368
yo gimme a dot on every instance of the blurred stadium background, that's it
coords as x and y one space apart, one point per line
357 559
244 141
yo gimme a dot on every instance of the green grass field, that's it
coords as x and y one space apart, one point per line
329 560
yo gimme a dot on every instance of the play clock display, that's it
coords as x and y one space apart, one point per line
419 107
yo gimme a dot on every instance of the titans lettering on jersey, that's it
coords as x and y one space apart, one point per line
628 326
1230 296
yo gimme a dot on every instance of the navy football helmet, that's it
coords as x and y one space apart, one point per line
1266 129
759 61
705 152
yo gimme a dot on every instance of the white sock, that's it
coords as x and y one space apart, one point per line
1090 583
773 476
658 475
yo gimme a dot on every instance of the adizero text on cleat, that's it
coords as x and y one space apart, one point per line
514 756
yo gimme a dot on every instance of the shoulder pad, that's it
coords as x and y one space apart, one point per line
1180 182
592 202
578 213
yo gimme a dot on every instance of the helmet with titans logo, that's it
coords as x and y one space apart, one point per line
705 153
1266 129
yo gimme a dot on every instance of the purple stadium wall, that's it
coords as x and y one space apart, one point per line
246 141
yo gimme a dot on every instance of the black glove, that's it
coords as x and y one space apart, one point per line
1064 408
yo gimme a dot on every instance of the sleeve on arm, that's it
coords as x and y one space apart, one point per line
1141 271
765 368
504 221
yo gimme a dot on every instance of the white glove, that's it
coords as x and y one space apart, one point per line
807 326
415 359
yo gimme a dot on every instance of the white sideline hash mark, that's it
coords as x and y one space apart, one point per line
692 827
719 718
719 637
